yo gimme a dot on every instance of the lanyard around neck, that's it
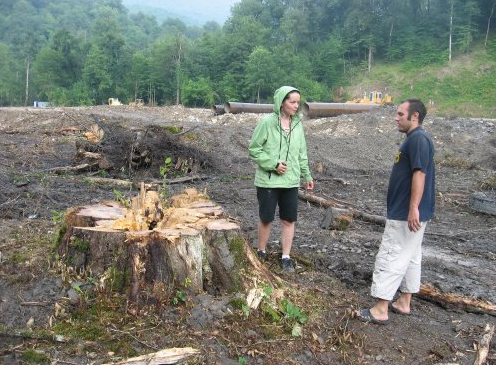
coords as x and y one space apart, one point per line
280 138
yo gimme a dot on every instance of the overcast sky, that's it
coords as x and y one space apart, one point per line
217 10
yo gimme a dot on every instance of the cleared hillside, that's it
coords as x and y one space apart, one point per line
464 87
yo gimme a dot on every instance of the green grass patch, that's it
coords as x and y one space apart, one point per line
173 129
35 357
488 183
17 258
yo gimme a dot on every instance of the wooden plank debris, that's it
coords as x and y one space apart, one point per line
162 357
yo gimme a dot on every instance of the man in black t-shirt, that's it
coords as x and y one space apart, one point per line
410 205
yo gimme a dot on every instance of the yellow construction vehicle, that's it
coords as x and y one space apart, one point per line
114 101
137 102
374 97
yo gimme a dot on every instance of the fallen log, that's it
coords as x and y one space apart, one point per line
78 168
484 345
323 202
162 357
147 244
344 209
455 301
371 218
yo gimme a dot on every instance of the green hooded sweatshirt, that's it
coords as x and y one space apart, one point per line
270 144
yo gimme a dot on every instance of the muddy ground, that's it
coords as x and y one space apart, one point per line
351 157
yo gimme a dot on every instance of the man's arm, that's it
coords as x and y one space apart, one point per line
418 182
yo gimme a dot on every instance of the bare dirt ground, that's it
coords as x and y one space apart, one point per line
351 157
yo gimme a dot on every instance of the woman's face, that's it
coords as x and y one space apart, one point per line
291 104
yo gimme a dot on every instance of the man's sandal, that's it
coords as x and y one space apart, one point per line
364 315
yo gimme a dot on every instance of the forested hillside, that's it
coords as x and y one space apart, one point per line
71 52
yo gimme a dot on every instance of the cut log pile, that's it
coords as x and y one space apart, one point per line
147 243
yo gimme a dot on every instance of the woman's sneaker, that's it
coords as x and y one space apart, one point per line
287 265
261 255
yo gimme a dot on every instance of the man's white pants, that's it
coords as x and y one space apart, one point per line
398 262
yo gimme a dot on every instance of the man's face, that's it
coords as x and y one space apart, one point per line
291 104
405 125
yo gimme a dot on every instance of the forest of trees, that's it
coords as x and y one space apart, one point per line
72 52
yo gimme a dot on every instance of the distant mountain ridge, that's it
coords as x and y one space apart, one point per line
191 12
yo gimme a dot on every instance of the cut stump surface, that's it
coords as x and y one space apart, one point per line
144 244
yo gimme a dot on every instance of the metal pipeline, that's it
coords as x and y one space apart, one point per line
234 108
321 110
218 109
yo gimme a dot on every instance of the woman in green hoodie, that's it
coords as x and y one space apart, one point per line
279 149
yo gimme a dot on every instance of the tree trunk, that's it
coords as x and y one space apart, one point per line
178 72
391 33
26 97
489 24
144 244
451 31
370 58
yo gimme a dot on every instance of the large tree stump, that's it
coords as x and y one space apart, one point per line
145 244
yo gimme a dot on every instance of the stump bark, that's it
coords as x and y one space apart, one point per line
337 218
146 244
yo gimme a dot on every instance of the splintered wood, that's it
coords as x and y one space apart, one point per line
188 239
484 345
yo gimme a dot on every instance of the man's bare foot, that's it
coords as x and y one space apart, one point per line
397 308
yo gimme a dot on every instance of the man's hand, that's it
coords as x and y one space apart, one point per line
418 182
414 220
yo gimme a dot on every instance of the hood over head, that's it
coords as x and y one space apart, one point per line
279 96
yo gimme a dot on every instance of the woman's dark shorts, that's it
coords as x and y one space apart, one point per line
269 198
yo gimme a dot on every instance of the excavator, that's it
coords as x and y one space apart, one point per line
374 97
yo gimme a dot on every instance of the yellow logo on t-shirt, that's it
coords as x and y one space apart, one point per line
397 157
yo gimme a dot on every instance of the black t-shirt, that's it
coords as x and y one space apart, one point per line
415 153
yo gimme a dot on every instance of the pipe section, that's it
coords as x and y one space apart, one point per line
322 110
231 107
218 109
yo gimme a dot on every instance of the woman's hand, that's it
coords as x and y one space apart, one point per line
281 168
